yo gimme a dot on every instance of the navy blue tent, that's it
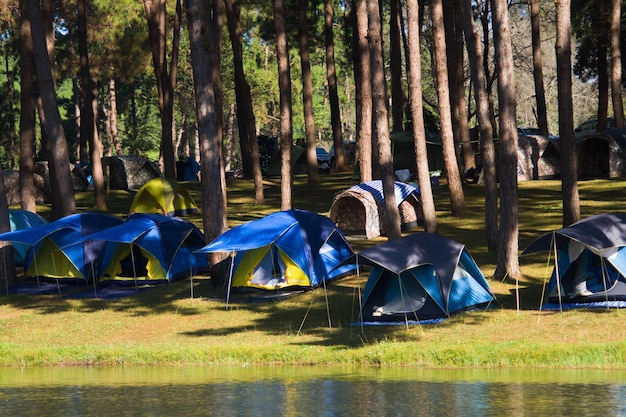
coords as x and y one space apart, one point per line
151 248
61 249
421 277
590 259
286 249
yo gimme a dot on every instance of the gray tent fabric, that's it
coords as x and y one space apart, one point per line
602 155
589 260
422 276
603 231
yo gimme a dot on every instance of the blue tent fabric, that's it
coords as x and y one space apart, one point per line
23 219
310 240
401 190
421 276
170 240
64 233
590 262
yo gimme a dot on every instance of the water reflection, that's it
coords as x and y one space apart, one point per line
294 392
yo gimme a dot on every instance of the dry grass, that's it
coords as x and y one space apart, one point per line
167 326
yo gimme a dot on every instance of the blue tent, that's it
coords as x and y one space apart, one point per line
23 219
53 250
284 250
590 260
151 248
421 277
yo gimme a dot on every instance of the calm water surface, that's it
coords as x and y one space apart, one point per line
251 391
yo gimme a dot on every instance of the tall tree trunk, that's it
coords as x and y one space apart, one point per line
603 64
333 96
364 102
569 172
457 197
381 121
459 114
249 145
63 203
115 138
542 111
7 273
417 115
616 65
201 31
307 93
487 148
508 263
156 15
395 61
27 113
284 85
88 126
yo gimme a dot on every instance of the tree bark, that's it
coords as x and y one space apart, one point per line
115 139
333 96
201 31
616 65
395 65
27 113
245 114
364 102
508 264
88 126
487 148
63 203
569 172
457 197
417 116
603 64
284 85
307 93
540 95
381 121
7 274
156 15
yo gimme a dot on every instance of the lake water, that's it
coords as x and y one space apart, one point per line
286 391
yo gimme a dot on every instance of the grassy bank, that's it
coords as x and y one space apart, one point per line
168 326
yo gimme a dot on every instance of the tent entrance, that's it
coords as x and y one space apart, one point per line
268 268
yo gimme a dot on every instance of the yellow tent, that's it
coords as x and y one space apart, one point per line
164 196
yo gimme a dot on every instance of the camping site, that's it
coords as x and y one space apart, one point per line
187 321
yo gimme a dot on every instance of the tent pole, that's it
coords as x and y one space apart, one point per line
230 277
557 273
330 324
406 317
132 259
358 274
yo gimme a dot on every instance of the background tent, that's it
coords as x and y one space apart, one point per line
163 196
62 249
23 219
590 259
361 208
151 248
420 277
538 157
129 172
602 155
286 249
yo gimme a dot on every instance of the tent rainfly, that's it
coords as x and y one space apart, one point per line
286 250
590 259
420 277
163 196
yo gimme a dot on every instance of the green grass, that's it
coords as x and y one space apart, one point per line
166 326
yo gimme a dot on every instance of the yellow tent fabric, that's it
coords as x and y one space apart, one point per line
257 269
164 196
153 269
50 261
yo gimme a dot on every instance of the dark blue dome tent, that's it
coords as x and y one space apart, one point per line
590 262
421 277
286 250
